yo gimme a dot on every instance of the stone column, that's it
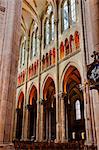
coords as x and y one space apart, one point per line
8 67
88 115
41 123
94 16
50 125
91 19
37 121
15 125
56 21
57 84
95 99
23 121
26 125
62 116
39 84
47 125
57 121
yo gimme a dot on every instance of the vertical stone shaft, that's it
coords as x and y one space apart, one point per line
95 99
8 72
62 119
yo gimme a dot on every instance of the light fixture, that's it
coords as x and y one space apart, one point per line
73 135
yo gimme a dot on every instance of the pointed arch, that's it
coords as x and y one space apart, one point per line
49 76
32 94
72 63
20 100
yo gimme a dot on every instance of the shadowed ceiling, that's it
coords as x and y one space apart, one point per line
33 10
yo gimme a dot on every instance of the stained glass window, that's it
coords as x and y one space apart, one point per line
73 11
52 27
47 32
33 45
37 41
65 15
78 110
22 52
49 26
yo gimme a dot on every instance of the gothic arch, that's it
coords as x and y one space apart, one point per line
49 109
19 111
20 99
32 112
32 93
30 88
49 76
71 87
65 70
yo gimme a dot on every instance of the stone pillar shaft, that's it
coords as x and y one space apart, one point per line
41 124
26 125
87 114
8 67
62 119
95 98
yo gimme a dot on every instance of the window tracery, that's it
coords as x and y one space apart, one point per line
47 32
52 27
34 41
49 26
23 52
69 15
65 15
73 11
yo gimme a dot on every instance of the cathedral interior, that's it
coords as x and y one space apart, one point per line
49 73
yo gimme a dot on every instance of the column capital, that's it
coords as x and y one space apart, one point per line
62 95
18 110
29 107
85 84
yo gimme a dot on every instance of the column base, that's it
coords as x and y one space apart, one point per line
64 141
57 141
9 146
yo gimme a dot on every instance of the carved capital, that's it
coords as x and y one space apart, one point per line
62 95
18 110
29 107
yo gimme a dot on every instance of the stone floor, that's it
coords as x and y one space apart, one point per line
28 145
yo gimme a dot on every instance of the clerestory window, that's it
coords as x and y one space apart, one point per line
49 30
34 42
73 11
69 13
65 15
23 52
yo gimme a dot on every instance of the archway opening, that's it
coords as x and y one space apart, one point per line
32 113
49 110
74 105
19 116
